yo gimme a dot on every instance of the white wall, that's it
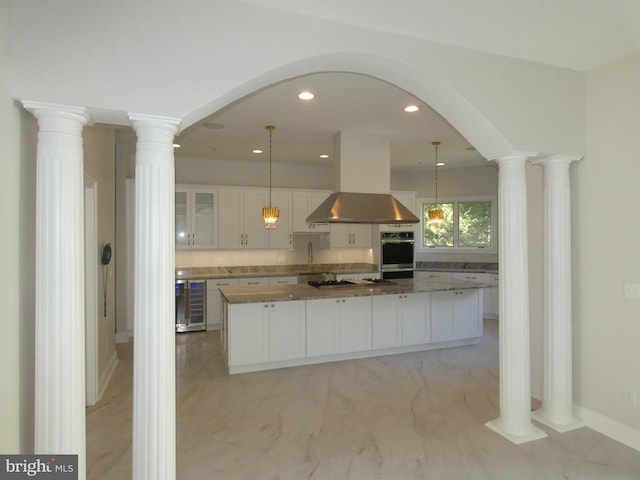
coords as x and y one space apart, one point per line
17 197
606 238
99 163
535 107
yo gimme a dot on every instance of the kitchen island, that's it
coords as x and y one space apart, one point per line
271 326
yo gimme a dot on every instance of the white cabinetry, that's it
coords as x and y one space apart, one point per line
214 301
338 325
240 218
246 281
195 217
489 294
351 235
455 315
290 280
263 332
401 320
303 204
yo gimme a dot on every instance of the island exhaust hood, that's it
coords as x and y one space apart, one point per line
362 176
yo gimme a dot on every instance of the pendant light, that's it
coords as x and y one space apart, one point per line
436 215
270 214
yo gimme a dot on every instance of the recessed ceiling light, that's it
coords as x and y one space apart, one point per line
306 95
324 155
176 145
213 125
411 108
257 150
440 164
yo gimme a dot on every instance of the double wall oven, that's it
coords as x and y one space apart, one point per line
396 255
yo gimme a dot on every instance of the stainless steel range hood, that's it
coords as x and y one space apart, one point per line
353 207
361 164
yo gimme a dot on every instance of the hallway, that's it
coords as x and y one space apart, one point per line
411 416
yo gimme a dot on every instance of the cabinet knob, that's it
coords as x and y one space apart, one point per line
266 306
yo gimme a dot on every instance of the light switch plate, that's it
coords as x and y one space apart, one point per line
631 290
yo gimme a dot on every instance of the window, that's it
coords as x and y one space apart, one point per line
469 224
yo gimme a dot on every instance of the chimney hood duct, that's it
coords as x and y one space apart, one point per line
359 197
353 207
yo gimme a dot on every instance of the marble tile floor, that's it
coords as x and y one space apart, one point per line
409 416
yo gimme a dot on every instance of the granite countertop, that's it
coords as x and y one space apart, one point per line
471 267
203 273
277 293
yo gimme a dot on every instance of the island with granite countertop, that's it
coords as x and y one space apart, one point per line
274 326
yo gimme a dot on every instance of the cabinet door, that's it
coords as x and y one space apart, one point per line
355 324
322 327
183 234
256 236
361 235
287 333
386 326
282 235
231 218
248 330
204 223
467 314
415 318
442 316
214 301
303 203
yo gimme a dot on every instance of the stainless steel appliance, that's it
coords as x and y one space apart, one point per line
191 305
396 255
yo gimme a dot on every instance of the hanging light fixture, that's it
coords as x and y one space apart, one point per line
270 214
436 215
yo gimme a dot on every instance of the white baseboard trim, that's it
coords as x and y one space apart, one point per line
611 428
122 337
105 378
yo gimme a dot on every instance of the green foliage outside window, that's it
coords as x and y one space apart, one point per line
465 225
441 236
474 224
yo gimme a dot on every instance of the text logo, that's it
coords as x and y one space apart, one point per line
52 467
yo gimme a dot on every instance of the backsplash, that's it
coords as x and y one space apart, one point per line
322 254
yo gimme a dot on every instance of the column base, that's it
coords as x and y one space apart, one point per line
573 424
532 433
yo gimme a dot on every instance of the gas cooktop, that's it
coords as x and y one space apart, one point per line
352 283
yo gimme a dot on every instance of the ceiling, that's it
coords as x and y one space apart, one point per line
575 34
305 129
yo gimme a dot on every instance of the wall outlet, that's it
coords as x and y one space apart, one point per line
631 398
339 258
631 290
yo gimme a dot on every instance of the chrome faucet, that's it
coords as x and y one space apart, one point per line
310 254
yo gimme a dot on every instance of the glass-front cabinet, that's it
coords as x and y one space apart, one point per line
195 217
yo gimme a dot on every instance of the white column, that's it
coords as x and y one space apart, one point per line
154 403
514 422
59 290
557 382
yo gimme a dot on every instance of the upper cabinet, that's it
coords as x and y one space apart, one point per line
241 223
240 218
304 203
351 235
195 217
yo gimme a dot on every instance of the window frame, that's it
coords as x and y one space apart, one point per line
493 249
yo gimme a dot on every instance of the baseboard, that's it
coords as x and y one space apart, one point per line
611 428
105 378
122 337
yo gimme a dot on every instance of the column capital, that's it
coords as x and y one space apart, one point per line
139 120
556 159
42 109
513 155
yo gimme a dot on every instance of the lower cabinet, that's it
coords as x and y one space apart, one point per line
456 315
338 325
400 320
214 301
263 332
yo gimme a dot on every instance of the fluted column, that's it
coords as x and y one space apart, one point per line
154 403
59 290
514 422
557 382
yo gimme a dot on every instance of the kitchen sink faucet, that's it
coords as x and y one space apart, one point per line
309 254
